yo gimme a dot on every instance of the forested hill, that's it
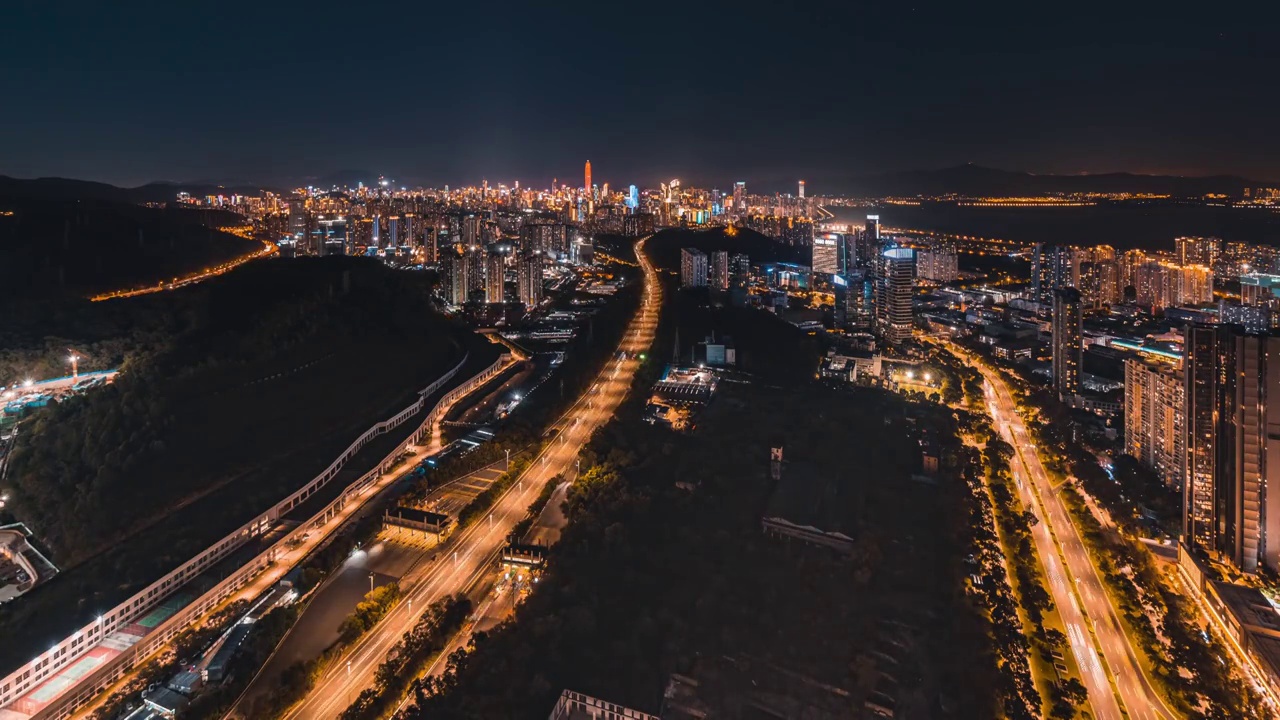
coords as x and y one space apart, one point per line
60 246
275 357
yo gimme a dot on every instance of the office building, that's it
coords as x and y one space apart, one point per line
333 234
586 178
826 254
1068 348
1232 497
495 278
1155 417
693 268
718 270
801 189
529 280
894 281
939 265
866 253
633 198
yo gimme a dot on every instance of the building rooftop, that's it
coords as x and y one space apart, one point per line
805 498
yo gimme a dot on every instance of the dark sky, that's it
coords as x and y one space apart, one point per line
429 92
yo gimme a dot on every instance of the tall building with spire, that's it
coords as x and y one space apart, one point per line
586 183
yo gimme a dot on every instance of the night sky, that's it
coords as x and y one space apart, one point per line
129 92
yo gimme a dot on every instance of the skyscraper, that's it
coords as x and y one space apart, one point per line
456 271
740 197
1155 418
1197 250
475 268
893 294
1068 350
866 253
633 198
826 254
586 180
693 268
1232 497
529 280
495 278
939 265
718 270
801 189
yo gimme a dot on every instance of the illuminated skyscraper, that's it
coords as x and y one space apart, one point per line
801 189
457 275
693 268
1197 250
1231 502
1068 348
740 196
894 280
495 278
1155 418
718 270
529 280
633 198
826 254
586 183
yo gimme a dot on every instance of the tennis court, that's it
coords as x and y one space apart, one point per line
50 689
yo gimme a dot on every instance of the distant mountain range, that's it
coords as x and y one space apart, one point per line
969 180
68 189
976 180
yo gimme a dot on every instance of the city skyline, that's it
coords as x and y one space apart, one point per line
828 93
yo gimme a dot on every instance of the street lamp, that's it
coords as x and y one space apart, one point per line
74 359
370 582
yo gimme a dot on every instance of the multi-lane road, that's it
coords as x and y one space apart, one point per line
1098 642
470 553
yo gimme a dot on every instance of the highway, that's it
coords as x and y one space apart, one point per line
268 248
288 558
1093 627
469 555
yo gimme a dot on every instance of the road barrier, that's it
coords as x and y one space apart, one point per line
63 654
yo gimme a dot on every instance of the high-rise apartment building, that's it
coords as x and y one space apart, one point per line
740 196
894 286
529 280
1155 418
1232 495
1068 348
718 270
939 265
456 276
1197 250
475 267
693 268
495 278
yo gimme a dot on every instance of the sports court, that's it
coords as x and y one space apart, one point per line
48 691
